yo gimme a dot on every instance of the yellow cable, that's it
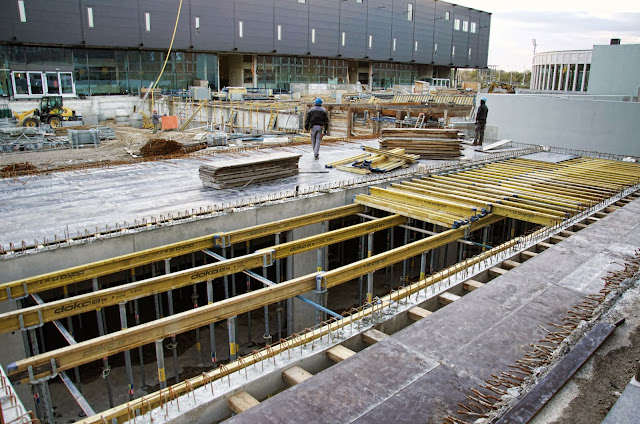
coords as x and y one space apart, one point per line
166 58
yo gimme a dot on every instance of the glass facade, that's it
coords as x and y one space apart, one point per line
278 71
386 75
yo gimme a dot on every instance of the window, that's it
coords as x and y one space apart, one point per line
23 15
371 41
302 1
358 1
197 22
313 35
240 29
415 46
394 44
469 51
279 32
90 16
435 48
453 51
473 27
147 21
456 24
410 11
447 16
465 26
344 37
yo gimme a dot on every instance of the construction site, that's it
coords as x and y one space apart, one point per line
172 250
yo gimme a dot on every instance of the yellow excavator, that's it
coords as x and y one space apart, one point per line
51 111
504 86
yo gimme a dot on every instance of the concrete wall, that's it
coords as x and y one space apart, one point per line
91 106
615 70
604 126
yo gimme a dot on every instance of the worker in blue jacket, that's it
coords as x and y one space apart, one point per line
318 123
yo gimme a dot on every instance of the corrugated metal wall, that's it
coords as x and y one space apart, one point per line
368 29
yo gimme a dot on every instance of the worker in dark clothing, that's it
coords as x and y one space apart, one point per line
481 122
155 120
318 123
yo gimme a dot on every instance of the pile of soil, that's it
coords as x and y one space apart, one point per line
16 169
161 147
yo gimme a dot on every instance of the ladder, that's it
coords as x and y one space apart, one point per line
420 121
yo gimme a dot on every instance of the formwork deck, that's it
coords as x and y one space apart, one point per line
420 373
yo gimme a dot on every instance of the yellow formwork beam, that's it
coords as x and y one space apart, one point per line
24 287
101 347
431 216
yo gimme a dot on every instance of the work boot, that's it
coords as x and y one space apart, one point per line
316 156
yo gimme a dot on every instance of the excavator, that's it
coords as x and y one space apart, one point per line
507 87
51 111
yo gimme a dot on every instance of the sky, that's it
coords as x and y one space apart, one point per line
555 25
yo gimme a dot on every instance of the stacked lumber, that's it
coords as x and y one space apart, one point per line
252 170
428 143
374 161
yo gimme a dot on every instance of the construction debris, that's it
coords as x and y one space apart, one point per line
428 143
162 147
17 169
242 172
374 161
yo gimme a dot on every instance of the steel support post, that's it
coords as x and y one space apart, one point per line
76 370
27 352
194 301
105 361
289 276
267 331
43 387
233 344
212 326
127 353
404 262
157 299
278 281
360 293
485 234
248 282
370 275
162 378
423 265
174 343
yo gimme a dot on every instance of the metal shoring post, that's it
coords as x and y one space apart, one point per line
43 386
212 326
404 262
289 276
127 353
76 370
485 234
248 281
361 254
35 391
233 294
423 265
194 301
319 295
136 314
267 332
387 269
391 248
105 361
157 300
369 275
278 280
174 343
160 358
231 322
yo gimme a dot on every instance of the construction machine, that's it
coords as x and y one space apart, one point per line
51 111
507 87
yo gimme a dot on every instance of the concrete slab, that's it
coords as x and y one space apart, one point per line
549 157
625 410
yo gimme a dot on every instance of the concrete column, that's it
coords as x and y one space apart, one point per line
575 78
566 79
560 77
540 76
555 72
584 76
543 77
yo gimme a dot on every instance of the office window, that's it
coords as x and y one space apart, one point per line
435 48
147 21
313 35
465 26
473 27
358 1
197 22
344 37
415 46
453 51
394 44
279 32
456 24
410 11
469 51
447 16
371 41
90 16
302 1
23 14
240 29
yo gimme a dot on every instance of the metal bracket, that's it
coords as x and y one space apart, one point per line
321 284
54 373
467 232
31 327
267 258
225 240
11 297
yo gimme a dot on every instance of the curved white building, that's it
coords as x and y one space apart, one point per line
566 70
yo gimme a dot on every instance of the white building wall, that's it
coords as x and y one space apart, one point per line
608 126
615 70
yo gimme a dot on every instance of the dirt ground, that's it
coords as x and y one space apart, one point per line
128 141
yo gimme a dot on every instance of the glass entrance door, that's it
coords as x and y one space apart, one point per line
36 87
67 87
53 85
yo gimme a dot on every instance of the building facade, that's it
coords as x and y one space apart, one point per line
88 47
561 71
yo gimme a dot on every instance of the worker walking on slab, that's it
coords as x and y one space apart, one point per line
481 122
318 122
155 120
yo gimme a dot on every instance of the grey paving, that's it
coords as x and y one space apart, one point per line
462 344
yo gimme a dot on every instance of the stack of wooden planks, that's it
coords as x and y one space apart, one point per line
428 143
252 170
375 160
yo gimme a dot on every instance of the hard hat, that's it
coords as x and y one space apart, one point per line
154 111
318 101
484 99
